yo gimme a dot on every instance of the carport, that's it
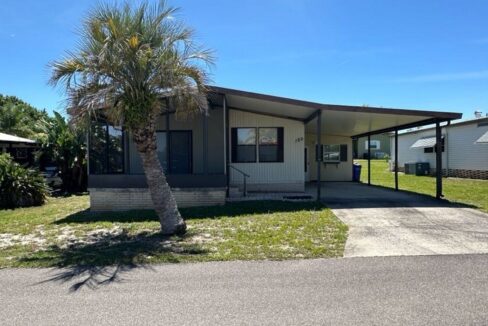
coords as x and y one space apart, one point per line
342 121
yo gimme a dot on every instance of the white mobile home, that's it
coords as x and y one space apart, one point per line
464 154
262 142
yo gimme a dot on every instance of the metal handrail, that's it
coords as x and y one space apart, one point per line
244 177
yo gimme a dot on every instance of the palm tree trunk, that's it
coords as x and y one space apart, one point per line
161 194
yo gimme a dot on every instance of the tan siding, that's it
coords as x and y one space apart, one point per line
265 176
330 172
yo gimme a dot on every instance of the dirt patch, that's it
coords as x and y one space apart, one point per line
10 239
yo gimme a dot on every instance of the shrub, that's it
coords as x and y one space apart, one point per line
19 186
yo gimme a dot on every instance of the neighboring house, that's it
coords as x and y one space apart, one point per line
380 146
271 139
463 152
21 149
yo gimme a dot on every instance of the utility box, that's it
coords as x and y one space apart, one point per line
410 168
422 168
418 168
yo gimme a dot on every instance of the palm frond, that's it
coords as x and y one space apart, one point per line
128 60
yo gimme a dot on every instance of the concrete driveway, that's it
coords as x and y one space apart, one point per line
383 222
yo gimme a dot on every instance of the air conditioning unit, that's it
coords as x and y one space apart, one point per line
422 168
417 168
410 168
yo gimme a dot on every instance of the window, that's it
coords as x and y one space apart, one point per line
115 152
162 147
249 144
433 148
106 149
180 151
270 144
334 153
375 144
21 153
243 145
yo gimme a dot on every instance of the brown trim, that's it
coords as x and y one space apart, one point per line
404 126
438 160
310 117
334 107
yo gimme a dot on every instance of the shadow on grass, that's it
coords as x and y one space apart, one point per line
212 212
101 260
432 201
58 193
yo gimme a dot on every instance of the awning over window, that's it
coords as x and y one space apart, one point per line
483 139
424 142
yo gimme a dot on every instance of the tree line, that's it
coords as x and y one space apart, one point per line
61 144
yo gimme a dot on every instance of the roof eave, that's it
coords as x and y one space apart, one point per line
335 107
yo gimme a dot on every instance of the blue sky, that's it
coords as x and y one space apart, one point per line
407 54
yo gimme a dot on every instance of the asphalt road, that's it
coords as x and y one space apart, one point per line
420 290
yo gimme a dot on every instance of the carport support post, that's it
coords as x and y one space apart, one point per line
396 159
369 160
438 160
319 152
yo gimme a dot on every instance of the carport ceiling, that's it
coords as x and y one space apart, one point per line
341 120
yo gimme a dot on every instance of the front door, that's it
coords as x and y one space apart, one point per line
180 152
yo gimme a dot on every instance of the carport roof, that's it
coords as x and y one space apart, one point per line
341 120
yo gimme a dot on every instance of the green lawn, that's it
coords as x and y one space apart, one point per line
466 191
63 233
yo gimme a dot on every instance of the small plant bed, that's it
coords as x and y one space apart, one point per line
470 192
64 233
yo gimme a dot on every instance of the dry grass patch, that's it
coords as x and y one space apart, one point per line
64 233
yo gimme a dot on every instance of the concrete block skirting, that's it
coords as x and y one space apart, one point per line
470 174
121 199
458 173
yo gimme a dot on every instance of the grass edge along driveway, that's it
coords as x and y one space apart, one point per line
471 192
64 233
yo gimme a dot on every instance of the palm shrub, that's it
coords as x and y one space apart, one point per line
19 186
133 63
64 145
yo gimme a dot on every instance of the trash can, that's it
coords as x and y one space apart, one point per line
356 172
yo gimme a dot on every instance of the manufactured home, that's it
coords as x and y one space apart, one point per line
245 142
21 149
464 153
378 147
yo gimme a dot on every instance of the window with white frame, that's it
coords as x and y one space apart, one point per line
375 144
244 145
264 144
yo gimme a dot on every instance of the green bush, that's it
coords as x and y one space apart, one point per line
20 187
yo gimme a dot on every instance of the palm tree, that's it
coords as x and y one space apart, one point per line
131 65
